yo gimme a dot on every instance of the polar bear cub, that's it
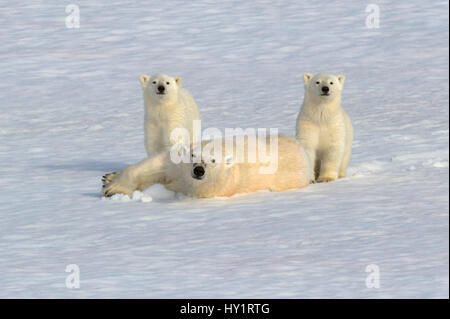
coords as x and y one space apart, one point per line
324 128
167 106
208 175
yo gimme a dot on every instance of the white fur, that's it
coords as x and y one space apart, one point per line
223 176
176 108
324 128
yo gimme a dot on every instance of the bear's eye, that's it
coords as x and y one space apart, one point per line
213 160
331 83
317 82
167 83
154 82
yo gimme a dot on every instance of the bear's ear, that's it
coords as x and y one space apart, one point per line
229 160
178 81
307 77
341 79
144 79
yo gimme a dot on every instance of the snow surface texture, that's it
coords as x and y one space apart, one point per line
72 110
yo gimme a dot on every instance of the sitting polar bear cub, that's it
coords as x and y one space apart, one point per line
209 176
167 106
324 128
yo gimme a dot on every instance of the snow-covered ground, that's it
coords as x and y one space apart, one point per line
72 110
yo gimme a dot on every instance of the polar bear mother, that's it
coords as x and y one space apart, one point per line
167 107
207 175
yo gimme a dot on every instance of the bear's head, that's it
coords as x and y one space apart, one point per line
208 175
160 88
323 87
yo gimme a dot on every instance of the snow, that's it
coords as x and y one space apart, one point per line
72 110
159 192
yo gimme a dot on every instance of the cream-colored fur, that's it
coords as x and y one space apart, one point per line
222 176
174 108
324 128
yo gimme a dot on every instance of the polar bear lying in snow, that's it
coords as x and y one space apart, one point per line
208 175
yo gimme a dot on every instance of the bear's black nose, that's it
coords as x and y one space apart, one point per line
325 89
161 88
199 172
